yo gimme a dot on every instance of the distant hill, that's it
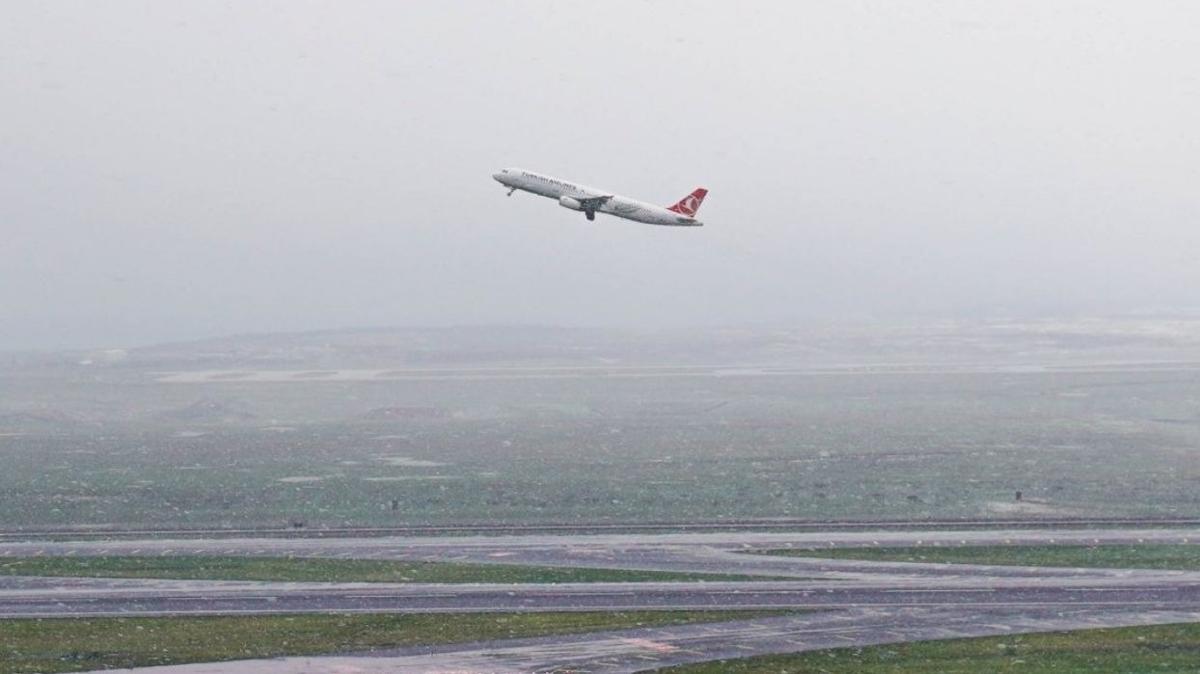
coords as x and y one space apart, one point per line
386 347
39 421
995 341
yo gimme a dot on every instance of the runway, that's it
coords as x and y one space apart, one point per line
177 598
622 651
846 602
708 552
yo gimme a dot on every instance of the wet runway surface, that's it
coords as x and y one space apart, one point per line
649 649
279 598
847 602
695 552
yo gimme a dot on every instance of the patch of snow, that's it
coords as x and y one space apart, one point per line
408 462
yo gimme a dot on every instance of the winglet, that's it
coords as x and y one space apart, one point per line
691 203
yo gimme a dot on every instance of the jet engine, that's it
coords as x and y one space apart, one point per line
568 202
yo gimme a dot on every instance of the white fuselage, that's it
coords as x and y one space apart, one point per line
622 207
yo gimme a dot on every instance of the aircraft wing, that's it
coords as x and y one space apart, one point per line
591 203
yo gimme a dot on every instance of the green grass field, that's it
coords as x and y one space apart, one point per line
1166 649
71 645
597 449
325 570
1150 556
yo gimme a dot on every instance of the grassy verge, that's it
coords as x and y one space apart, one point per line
325 570
70 645
1165 648
1164 556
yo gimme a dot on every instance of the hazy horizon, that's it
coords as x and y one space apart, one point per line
174 171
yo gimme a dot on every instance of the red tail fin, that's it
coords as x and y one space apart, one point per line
690 204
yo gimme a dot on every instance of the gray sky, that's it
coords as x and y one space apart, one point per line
172 170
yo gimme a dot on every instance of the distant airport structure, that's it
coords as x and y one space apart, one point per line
591 200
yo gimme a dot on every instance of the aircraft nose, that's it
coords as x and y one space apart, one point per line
498 176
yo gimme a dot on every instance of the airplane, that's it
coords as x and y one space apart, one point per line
592 201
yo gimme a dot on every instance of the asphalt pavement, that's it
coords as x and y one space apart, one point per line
847 602
637 650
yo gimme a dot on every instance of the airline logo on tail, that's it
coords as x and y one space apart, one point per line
690 204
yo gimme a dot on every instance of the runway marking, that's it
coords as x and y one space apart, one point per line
911 590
